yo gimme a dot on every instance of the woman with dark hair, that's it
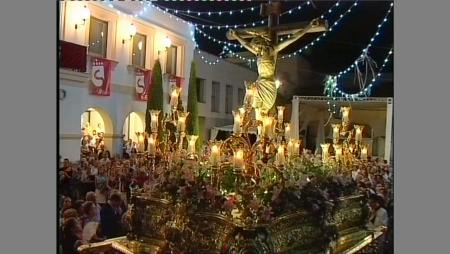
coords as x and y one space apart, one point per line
71 236
379 217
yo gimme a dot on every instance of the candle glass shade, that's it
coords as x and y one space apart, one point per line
152 145
215 154
336 129
192 140
297 143
280 157
237 122
287 131
154 119
364 153
181 123
345 115
325 148
358 133
280 110
249 96
239 158
337 152
268 122
174 96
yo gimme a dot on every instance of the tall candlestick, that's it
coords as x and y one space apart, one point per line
325 148
279 157
192 139
181 125
280 110
237 122
151 145
215 154
154 119
358 133
239 158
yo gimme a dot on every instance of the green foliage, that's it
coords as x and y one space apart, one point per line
155 97
192 126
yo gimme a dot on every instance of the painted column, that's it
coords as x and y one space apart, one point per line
295 117
389 129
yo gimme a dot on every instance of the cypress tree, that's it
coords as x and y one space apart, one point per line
192 126
155 97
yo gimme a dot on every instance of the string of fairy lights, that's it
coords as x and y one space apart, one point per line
333 79
329 11
197 27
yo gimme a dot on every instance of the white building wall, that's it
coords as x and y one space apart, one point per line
225 73
116 107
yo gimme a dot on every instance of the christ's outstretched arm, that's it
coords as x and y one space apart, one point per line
243 42
296 35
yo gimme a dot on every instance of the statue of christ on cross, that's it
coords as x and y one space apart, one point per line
265 47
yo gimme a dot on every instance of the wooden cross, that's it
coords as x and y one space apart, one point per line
272 10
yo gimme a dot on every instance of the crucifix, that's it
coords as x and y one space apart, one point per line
264 45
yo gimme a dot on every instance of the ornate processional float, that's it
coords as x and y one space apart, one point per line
239 196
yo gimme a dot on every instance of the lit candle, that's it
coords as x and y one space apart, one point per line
325 148
297 146
192 139
174 97
181 126
290 148
364 153
215 154
140 141
358 133
345 114
154 115
151 145
279 157
237 122
336 131
239 159
268 126
338 152
249 95
280 114
287 131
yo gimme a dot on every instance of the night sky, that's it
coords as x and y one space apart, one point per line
333 53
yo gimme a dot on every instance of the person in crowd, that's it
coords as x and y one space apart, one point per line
111 215
71 236
378 217
90 196
101 185
89 213
78 205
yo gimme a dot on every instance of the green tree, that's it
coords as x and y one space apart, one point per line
192 126
155 97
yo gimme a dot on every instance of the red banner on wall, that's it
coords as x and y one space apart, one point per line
101 76
142 84
174 80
